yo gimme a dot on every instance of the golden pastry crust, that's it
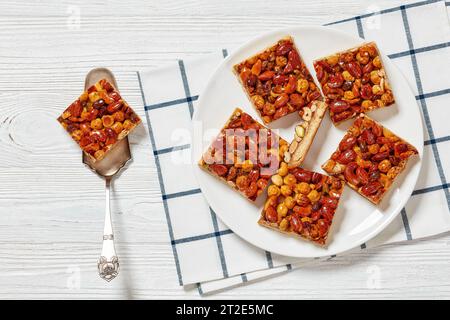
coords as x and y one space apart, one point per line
305 133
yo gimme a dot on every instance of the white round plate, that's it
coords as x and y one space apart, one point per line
356 220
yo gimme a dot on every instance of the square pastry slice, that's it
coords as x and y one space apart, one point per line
244 155
277 81
369 158
353 82
301 203
98 119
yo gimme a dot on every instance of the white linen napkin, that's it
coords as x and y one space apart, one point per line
415 36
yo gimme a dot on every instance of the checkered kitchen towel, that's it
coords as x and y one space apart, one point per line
415 36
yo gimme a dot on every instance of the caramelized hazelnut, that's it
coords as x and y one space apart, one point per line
119 116
117 127
97 124
108 121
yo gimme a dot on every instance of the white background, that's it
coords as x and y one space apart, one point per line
52 207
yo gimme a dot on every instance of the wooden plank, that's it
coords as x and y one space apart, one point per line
49 243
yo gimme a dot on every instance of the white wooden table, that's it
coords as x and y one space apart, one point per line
52 207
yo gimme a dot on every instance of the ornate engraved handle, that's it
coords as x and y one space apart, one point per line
108 264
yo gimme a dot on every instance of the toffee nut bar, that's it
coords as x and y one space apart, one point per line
98 119
353 82
302 203
244 155
277 81
369 158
